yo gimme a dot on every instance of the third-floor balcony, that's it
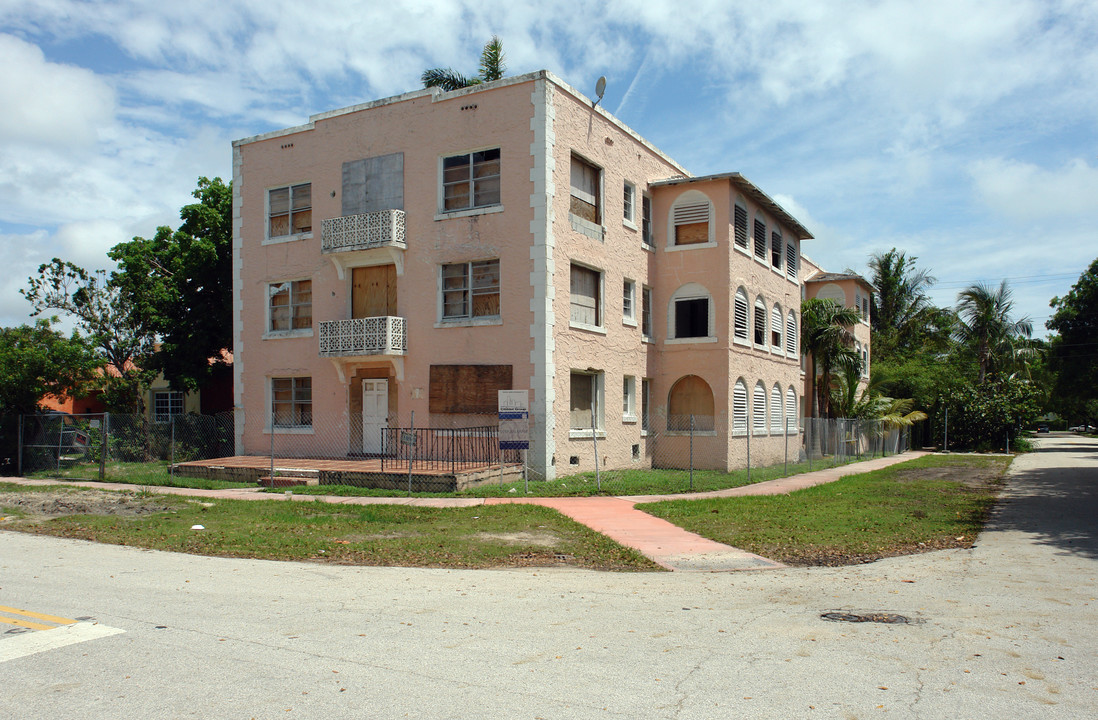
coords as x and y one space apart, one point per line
366 238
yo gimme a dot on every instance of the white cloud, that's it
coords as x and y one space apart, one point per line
46 103
1027 192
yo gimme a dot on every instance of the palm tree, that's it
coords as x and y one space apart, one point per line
827 338
903 316
985 326
492 67
885 413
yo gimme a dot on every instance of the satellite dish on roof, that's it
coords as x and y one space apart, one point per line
600 88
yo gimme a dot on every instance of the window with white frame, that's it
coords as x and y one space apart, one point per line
739 224
758 409
760 238
791 408
585 203
776 328
690 217
290 305
629 398
470 290
290 210
776 247
690 313
776 414
585 392
760 322
791 261
646 221
740 316
471 180
791 335
629 302
865 362
629 203
739 408
586 297
292 401
166 405
646 399
646 312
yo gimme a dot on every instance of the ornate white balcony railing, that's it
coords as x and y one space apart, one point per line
360 337
384 228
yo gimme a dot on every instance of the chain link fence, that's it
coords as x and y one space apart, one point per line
448 454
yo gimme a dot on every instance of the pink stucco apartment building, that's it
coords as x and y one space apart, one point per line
421 252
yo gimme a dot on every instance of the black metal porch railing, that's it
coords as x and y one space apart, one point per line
451 449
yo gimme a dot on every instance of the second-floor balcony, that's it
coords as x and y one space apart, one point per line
358 239
364 337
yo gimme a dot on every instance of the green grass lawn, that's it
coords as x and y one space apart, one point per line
135 473
925 504
478 537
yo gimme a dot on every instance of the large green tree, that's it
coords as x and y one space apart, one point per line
492 67
987 329
827 338
107 318
1073 351
179 284
36 360
903 317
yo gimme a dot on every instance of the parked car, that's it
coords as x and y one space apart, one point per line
1042 428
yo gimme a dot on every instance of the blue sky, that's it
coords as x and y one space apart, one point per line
964 132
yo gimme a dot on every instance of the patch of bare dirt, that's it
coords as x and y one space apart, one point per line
35 506
973 477
547 540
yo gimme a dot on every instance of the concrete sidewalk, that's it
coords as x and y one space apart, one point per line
616 517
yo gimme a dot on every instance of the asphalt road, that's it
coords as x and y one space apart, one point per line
1008 629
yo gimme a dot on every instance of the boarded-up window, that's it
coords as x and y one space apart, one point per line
290 210
583 394
585 298
470 290
690 397
467 389
740 226
291 305
471 180
585 191
373 184
691 223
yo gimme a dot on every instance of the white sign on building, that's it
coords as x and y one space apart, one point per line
514 419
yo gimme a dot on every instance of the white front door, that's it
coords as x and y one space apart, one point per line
375 414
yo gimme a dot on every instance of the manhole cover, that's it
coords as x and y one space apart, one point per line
875 617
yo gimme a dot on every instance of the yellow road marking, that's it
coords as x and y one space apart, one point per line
38 616
26 624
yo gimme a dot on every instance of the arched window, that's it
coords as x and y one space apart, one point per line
739 408
690 397
760 321
690 217
740 225
776 328
791 407
831 291
760 237
740 316
776 250
758 409
690 313
791 335
791 260
776 416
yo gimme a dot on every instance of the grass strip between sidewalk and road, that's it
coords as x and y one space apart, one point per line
393 535
931 503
